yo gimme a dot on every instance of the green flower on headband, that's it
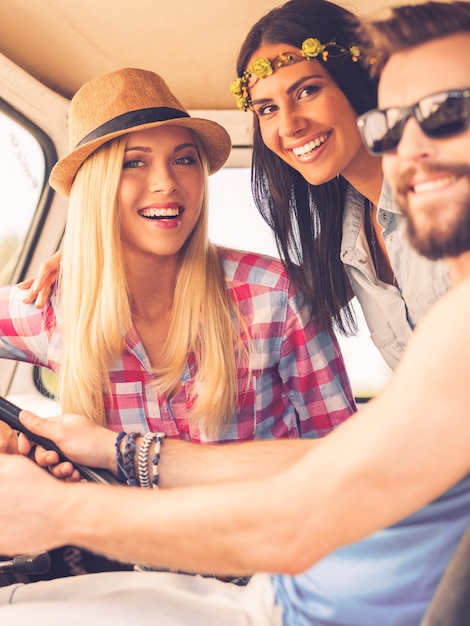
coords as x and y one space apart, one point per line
311 48
261 68
284 59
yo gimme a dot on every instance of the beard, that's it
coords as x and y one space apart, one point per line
437 243
437 240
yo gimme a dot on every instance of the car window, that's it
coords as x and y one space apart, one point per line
234 220
22 172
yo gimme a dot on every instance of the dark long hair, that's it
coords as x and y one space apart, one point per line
307 219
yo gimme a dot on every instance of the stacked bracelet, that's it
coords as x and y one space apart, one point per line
119 458
126 462
129 458
156 458
144 476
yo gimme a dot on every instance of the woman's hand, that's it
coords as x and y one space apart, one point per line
79 438
40 286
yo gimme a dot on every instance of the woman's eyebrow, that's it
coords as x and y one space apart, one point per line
140 148
181 146
302 80
291 88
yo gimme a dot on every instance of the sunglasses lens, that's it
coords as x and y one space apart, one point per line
439 116
378 133
444 115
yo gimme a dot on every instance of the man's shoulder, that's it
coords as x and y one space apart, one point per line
441 340
453 307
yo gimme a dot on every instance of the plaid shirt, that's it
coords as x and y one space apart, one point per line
297 385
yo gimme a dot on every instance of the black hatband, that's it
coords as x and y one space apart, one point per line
132 119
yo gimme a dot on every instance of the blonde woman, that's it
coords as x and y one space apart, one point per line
151 327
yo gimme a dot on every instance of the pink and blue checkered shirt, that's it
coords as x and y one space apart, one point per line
297 386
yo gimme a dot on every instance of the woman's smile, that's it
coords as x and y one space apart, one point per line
167 215
304 150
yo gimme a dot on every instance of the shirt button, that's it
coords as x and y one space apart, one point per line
384 217
392 238
363 260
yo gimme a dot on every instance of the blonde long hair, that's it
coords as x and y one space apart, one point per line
96 306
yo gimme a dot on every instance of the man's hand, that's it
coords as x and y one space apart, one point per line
31 499
8 439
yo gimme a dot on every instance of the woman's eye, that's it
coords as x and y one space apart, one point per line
307 91
267 109
133 163
185 160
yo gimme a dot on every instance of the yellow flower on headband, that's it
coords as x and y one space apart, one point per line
311 48
261 68
355 52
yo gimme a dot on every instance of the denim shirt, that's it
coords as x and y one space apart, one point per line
386 579
391 312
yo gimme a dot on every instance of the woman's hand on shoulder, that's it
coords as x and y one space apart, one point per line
39 288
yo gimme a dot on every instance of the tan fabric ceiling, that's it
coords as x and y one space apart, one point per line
192 43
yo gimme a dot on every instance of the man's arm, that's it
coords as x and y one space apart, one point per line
184 464
402 450
181 463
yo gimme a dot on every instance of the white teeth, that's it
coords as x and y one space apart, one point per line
433 185
173 212
311 145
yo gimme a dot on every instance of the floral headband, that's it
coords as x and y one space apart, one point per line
260 68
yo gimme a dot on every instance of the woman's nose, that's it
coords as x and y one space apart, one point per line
290 122
162 179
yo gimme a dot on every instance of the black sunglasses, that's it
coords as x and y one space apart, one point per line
439 116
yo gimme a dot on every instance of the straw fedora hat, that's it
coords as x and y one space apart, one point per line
122 101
